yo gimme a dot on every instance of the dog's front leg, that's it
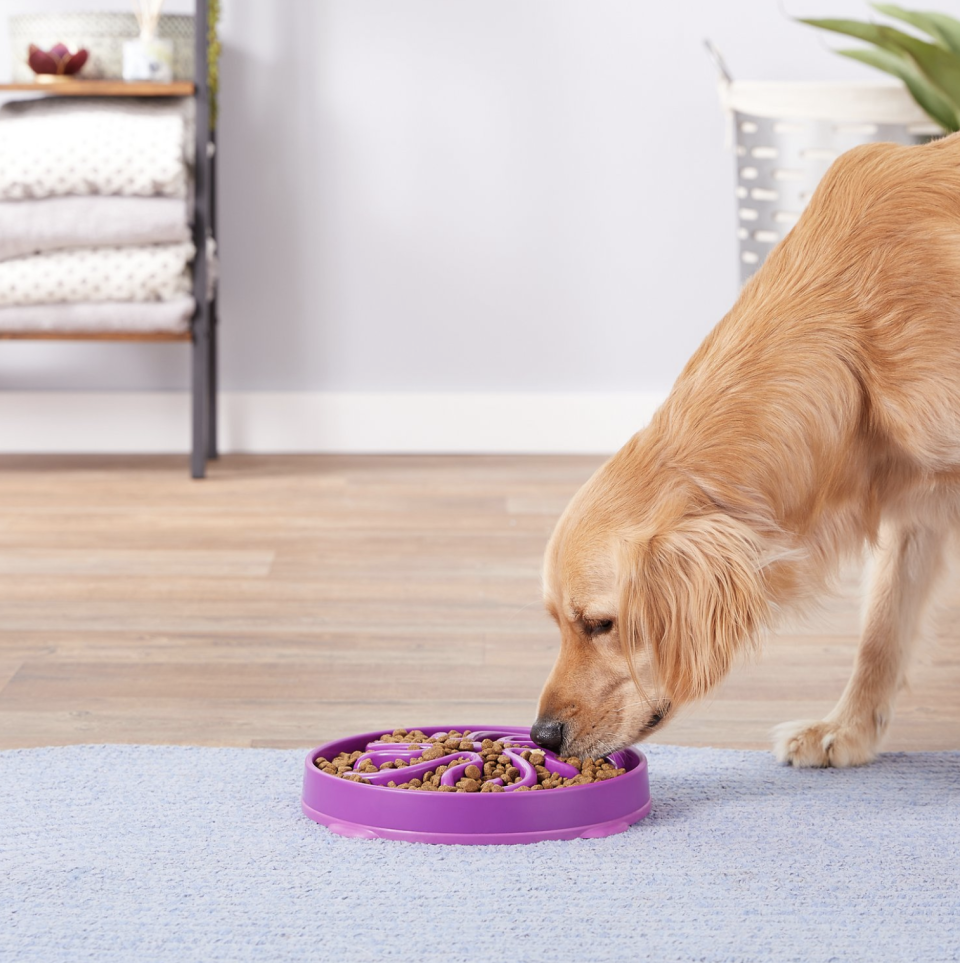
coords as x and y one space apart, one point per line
908 561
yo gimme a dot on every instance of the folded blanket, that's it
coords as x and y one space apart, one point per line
55 146
29 227
151 272
106 316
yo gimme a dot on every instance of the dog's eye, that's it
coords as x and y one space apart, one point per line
599 628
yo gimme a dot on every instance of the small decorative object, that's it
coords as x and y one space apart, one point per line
149 57
56 64
930 71
102 33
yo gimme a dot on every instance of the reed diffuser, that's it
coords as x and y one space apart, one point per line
149 57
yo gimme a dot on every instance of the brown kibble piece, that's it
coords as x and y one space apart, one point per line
472 772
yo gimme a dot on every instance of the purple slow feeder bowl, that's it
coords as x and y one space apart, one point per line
378 812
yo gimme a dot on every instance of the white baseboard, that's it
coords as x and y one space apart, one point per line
155 422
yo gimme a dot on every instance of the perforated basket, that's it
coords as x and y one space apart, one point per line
786 135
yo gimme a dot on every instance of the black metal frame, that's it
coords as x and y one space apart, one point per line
206 317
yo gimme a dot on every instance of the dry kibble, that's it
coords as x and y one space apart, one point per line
476 776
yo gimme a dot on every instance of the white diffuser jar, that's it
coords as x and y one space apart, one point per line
148 58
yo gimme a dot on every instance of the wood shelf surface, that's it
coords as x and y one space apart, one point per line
105 88
95 335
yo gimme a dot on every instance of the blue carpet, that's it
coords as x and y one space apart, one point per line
138 853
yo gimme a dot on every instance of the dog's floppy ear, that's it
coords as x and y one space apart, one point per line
694 596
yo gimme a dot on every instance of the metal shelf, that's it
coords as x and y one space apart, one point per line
203 333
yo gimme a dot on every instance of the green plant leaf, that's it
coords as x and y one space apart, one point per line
944 29
939 66
875 33
937 107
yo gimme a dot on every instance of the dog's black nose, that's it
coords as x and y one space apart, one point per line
547 734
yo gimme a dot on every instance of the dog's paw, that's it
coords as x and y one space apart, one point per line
826 743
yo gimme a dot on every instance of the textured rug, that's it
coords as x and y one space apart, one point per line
131 853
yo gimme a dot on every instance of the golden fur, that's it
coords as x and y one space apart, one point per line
821 414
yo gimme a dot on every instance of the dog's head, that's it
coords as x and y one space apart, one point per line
654 593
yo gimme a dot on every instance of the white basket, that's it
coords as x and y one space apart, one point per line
786 135
103 34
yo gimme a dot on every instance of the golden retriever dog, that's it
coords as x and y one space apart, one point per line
822 414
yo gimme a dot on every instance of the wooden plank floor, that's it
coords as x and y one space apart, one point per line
288 600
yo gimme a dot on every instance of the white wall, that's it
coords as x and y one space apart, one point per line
479 196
